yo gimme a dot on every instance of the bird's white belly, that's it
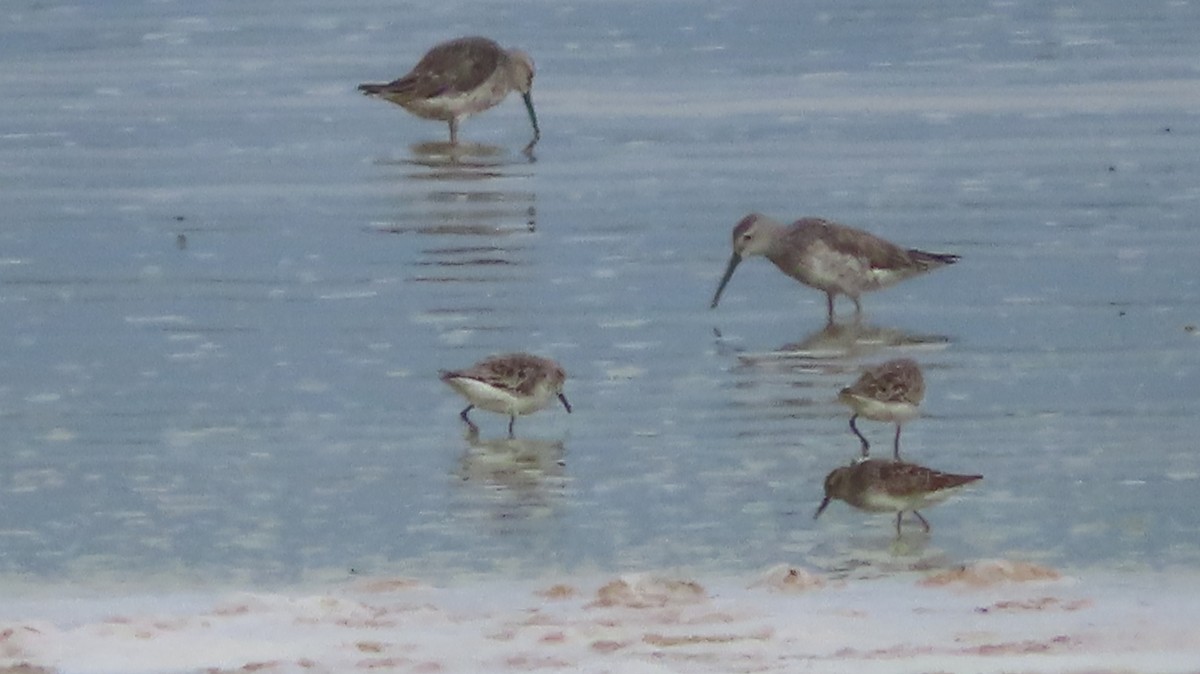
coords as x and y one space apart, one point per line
462 104
878 500
879 410
828 269
501 401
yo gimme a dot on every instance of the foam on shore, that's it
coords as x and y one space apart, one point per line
995 616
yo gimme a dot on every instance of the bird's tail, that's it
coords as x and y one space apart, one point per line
939 481
372 89
929 260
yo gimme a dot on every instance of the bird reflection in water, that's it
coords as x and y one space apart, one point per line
836 341
445 183
465 161
471 224
520 477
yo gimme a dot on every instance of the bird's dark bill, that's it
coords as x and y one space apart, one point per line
566 404
537 133
734 260
821 508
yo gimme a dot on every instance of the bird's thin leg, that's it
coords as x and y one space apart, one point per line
898 516
511 420
857 305
467 419
866 446
924 522
454 131
896 444
829 307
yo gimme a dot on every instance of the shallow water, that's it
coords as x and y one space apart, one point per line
227 282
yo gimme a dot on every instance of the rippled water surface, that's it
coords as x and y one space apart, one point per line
227 282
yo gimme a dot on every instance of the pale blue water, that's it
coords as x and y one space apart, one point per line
259 397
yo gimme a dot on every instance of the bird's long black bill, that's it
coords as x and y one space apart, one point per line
821 508
566 404
537 133
734 261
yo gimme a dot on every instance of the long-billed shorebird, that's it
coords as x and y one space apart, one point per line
514 384
876 485
460 78
832 258
889 392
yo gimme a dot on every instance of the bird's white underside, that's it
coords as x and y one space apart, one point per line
499 400
878 410
828 268
881 501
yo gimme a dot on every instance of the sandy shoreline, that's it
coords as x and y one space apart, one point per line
988 617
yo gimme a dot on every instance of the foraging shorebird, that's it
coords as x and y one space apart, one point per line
832 258
460 78
876 485
514 384
891 392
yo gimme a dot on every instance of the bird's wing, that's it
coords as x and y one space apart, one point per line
895 381
876 252
902 479
515 373
452 68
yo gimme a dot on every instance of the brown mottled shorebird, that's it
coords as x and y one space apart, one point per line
514 384
832 258
459 78
876 485
890 391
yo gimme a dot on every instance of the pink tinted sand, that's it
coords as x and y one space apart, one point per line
997 616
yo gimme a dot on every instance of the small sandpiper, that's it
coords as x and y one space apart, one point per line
890 391
460 78
832 258
877 485
514 384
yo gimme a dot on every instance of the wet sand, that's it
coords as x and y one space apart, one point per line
991 616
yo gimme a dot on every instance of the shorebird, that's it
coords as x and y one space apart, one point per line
514 384
876 485
890 391
830 257
460 78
